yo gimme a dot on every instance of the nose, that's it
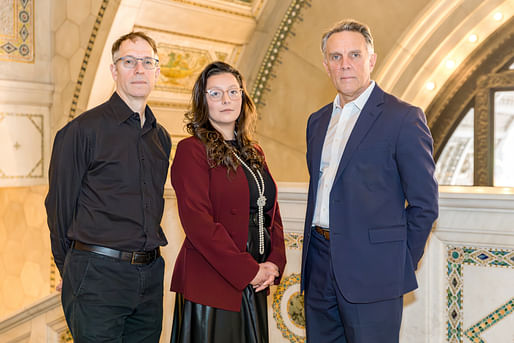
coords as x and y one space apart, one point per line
225 98
139 67
344 63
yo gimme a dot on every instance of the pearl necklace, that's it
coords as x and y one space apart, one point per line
261 201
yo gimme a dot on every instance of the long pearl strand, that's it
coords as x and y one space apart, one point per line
261 201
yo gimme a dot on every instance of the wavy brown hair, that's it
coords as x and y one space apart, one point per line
198 124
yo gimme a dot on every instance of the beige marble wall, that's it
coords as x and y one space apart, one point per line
24 248
71 25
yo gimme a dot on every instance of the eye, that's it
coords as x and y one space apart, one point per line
356 54
233 92
335 57
129 61
214 93
148 62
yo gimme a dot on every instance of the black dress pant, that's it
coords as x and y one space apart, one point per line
108 300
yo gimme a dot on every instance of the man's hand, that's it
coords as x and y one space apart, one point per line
264 278
58 288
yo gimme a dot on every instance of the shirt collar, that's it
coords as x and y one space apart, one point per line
122 112
360 101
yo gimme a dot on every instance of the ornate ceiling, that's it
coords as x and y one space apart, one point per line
275 43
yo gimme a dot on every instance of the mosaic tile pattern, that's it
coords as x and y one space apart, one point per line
17 32
277 44
473 333
293 240
288 309
457 258
65 337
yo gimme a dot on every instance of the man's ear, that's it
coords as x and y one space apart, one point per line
114 72
372 61
325 65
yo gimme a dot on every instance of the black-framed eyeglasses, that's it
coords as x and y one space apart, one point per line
216 94
130 62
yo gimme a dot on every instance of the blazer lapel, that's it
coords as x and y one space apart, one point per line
367 117
319 134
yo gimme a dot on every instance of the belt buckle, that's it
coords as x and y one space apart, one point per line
133 259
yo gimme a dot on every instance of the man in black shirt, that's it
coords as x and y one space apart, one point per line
105 204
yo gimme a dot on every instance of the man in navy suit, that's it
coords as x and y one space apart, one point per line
372 199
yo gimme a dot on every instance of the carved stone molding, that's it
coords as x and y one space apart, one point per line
457 95
484 124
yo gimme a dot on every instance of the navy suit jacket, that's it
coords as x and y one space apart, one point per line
384 199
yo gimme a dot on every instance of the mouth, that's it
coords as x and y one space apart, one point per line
227 110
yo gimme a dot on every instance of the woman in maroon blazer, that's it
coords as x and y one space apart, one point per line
227 202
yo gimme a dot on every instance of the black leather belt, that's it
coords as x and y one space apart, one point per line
136 257
322 231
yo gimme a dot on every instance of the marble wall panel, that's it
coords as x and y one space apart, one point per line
24 248
21 147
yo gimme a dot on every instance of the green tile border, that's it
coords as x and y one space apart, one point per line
457 257
473 333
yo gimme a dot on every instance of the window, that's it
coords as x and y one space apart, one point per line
455 165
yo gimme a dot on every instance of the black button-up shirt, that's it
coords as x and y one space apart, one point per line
107 177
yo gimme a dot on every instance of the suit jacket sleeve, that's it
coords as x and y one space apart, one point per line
190 179
416 168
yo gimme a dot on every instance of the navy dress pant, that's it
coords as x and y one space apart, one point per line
330 318
108 300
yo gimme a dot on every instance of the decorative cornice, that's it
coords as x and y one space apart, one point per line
187 35
44 305
218 9
168 104
26 93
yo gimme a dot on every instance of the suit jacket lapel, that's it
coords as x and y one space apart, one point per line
318 139
367 117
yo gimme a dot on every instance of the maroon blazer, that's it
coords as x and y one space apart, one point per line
213 267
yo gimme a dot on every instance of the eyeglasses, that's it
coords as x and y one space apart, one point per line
216 94
130 62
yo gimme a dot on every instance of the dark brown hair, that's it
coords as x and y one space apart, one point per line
198 124
133 36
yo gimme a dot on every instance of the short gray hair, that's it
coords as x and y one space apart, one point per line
348 25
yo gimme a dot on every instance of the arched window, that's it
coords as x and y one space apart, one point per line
472 118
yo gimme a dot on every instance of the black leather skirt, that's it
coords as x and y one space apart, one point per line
197 323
